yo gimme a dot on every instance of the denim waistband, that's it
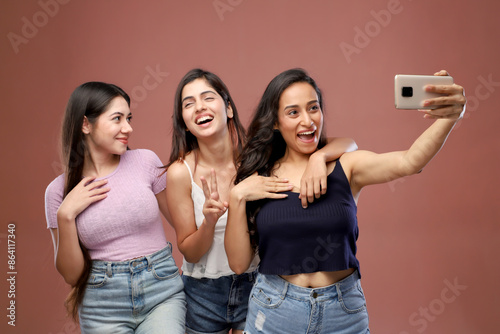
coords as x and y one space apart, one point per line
249 276
133 265
325 292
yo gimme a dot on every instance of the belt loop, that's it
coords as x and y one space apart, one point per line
150 264
339 291
109 272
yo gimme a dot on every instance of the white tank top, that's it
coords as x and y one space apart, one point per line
214 263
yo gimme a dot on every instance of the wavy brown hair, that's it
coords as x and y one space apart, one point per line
265 145
88 100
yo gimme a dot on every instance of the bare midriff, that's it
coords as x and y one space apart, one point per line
318 279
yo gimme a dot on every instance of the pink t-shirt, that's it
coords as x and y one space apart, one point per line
126 224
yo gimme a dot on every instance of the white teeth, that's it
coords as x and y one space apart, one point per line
204 119
306 133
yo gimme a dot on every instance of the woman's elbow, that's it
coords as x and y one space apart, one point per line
190 255
71 280
238 267
69 277
191 259
413 170
238 270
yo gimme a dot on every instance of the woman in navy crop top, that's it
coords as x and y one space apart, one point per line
308 279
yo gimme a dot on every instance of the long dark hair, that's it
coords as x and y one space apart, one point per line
183 141
265 145
88 100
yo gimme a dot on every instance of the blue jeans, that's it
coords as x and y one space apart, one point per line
217 305
277 306
143 295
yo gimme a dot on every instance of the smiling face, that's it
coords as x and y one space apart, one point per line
300 118
111 131
203 109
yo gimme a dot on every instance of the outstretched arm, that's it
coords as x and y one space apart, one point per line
367 168
313 183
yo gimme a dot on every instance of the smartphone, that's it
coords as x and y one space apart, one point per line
410 93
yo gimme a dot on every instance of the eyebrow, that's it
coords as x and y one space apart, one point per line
202 93
296 105
119 113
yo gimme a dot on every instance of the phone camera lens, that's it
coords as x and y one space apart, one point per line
407 91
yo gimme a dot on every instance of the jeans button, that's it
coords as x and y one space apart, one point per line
315 295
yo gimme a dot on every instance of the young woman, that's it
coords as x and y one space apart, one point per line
104 217
206 141
309 279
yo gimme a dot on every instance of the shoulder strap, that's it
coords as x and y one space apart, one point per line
189 169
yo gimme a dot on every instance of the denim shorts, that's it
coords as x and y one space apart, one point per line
217 305
277 306
143 295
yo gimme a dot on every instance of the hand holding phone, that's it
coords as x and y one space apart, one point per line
410 93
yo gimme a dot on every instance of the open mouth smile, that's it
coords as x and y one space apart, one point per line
307 135
204 120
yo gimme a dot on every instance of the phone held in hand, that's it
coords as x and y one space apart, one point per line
409 90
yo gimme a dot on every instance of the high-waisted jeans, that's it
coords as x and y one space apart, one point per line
143 295
277 306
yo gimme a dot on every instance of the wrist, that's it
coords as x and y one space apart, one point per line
206 224
63 217
237 196
318 155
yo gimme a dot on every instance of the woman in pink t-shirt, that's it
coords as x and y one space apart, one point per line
104 217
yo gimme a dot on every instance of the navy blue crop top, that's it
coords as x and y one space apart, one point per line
293 240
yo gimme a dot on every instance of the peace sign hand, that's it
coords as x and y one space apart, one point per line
213 208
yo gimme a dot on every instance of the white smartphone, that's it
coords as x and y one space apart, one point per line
409 90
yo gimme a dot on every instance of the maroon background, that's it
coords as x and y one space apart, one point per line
417 234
